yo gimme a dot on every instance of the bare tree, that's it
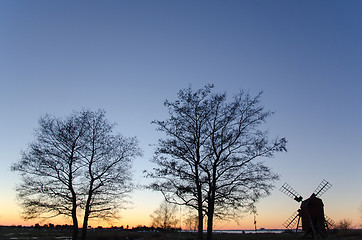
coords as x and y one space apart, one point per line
50 169
165 216
210 159
75 162
107 160
179 157
190 220
236 180
344 224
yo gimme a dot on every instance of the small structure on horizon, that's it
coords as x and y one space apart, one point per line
311 211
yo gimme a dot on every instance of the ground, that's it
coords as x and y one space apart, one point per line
17 233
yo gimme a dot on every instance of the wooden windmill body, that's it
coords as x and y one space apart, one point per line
311 211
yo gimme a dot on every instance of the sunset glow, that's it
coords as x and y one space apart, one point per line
128 57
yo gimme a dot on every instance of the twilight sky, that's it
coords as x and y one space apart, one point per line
127 57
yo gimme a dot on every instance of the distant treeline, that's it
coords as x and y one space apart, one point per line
69 227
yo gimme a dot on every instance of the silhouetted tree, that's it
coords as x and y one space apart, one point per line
179 157
344 224
49 169
190 220
75 162
107 159
209 160
165 216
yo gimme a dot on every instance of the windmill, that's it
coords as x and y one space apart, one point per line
311 211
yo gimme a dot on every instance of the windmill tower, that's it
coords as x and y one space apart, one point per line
311 211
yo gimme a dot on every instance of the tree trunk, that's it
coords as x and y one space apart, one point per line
200 230
74 217
85 223
210 217
86 214
74 203
211 204
210 214
75 225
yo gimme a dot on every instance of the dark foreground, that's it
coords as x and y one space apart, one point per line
14 233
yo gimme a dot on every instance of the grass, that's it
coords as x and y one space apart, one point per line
15 233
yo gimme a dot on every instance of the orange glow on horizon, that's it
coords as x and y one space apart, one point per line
10 216
246 223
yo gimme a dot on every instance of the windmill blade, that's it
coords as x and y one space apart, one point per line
322 188
291 221
329 221
289 191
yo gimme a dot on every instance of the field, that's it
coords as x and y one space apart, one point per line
14 233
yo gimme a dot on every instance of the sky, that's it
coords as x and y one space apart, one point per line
127 57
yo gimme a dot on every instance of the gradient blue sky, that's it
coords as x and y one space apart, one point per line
127 57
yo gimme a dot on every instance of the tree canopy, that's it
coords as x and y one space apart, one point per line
76 163
210 158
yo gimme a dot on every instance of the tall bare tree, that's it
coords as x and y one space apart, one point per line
190 220
106 159
75 163
180 156
50 170
209 160
165 216
235 177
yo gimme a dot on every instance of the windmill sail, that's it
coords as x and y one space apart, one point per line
322 188
291 222
289 191
329 221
